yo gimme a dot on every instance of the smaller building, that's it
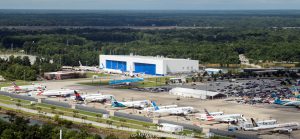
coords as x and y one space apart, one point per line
61 75
213 71
170 128
193 93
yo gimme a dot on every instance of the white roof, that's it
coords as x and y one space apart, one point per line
147 57
193 91
171 125
212 69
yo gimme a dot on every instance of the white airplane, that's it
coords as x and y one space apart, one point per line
292 103
92 97
130 104
112 71
23 88
87 68
151 109
172 111
223 118
58 93
276 127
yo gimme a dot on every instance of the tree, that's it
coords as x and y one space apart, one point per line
111 136
109 122
98 116
53 109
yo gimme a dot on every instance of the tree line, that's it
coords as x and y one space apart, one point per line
222 46
18 68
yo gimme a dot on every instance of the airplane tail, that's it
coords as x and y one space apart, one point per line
154 105
254 123
207 113
113 99
80 64
77 96
277 101
40 93
15 85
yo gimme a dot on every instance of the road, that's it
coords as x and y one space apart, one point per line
159 134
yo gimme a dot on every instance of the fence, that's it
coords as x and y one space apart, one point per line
89 109
133 117
186 126
18 96
233 134
60 104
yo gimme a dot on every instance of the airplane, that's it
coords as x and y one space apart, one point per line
130 104
287 102
24 88
92 97
223 118
151 109
293 103
172 111
110 71
87 68
58 93
285 127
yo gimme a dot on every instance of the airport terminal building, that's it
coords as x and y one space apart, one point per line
149 65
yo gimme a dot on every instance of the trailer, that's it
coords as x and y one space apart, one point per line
165 127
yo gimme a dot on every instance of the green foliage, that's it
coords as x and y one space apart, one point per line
20 129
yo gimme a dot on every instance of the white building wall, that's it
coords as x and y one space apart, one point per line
181 65
163 65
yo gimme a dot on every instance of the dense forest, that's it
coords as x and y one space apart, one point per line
241 19
260 35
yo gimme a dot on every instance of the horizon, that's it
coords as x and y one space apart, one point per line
151 4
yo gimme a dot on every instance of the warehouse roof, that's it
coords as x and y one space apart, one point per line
147 57
194 91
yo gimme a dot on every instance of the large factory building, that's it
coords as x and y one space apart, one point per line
149 65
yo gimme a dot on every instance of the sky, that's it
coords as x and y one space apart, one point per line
151 4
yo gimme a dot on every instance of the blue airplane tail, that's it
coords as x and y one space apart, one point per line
277 101
115 103
154 105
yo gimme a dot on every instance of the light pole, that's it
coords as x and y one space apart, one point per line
24 76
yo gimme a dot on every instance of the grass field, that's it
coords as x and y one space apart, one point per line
9 83
153 82
90 74
117 121
94 83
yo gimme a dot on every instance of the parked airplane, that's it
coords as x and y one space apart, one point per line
287 102
24 88
87 68
285 127
130 104
223 118
292 103
92 97
112 71
151 109
172 111
58 93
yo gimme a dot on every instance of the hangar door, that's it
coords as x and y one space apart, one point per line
118 65
145 68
